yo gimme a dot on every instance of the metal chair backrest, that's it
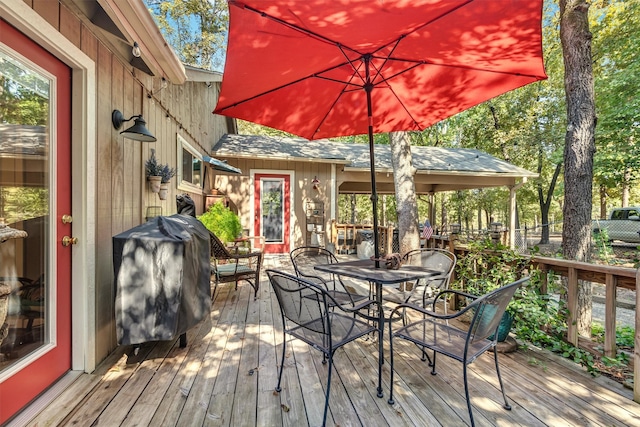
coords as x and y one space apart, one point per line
488 311
301 302
437 259
305 258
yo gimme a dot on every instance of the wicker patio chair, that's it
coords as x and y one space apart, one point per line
227 266
304 260
464 343
312 315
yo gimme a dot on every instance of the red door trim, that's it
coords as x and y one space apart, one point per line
19 389
284 247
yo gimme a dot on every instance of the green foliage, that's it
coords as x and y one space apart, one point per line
22 203
602 244
616 70
487 266
538 318
196 29
625 335
222 222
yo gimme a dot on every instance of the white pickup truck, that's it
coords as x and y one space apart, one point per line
623 224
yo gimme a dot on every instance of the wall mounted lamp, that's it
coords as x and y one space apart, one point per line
315 183
135 50
137 132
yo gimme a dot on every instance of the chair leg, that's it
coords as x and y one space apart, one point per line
390 401
506 402
284 348
326 399
425 355
215 289
466 391
433 367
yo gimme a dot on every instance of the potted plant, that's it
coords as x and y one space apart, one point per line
153 171
158 174
222 222
166 173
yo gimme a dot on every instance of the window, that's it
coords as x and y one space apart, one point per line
190 167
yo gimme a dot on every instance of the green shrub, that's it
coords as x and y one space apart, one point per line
222 222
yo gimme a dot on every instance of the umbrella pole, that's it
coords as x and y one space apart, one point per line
374 194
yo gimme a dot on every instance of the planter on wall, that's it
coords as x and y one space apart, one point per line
163 190
154 183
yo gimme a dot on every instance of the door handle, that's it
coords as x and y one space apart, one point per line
67 241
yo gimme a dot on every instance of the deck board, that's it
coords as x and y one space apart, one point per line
227 374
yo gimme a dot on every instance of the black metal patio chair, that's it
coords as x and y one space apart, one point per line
312 315
464 343
304 260
424 290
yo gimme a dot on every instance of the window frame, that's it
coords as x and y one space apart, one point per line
183 185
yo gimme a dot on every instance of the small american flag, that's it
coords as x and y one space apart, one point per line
427 231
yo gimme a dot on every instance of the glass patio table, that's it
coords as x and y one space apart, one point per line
379 276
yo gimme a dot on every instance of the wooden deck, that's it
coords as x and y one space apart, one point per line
227 374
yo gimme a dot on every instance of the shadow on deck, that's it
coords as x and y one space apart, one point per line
227 374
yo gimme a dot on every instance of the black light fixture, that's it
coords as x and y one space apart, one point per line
315 183
137 132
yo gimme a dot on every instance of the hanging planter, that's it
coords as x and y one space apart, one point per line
164 190
154 183
158 174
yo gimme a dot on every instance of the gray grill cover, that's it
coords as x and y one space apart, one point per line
162 275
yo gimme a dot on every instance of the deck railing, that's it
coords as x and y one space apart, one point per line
612 277
344 237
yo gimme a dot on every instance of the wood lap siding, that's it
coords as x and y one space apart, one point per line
237 188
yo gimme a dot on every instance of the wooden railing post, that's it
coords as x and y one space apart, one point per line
572 306
611 284
636 347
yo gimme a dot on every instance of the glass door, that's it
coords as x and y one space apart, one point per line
35 187
272 211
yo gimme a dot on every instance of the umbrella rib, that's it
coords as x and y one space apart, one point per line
290 25
417 63
316 75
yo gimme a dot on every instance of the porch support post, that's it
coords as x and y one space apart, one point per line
334 194
512 212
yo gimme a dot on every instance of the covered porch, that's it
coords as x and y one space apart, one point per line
227 374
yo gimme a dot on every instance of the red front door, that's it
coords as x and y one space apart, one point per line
35 192
273 211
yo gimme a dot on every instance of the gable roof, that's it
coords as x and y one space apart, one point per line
355 157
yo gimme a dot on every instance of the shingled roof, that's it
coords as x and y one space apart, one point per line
356 156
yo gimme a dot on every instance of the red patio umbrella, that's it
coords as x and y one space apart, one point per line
319 68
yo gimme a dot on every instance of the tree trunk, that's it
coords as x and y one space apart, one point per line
626 188
603 201
545 203
579 145
406 203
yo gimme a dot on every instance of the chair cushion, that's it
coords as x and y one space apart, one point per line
232 269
